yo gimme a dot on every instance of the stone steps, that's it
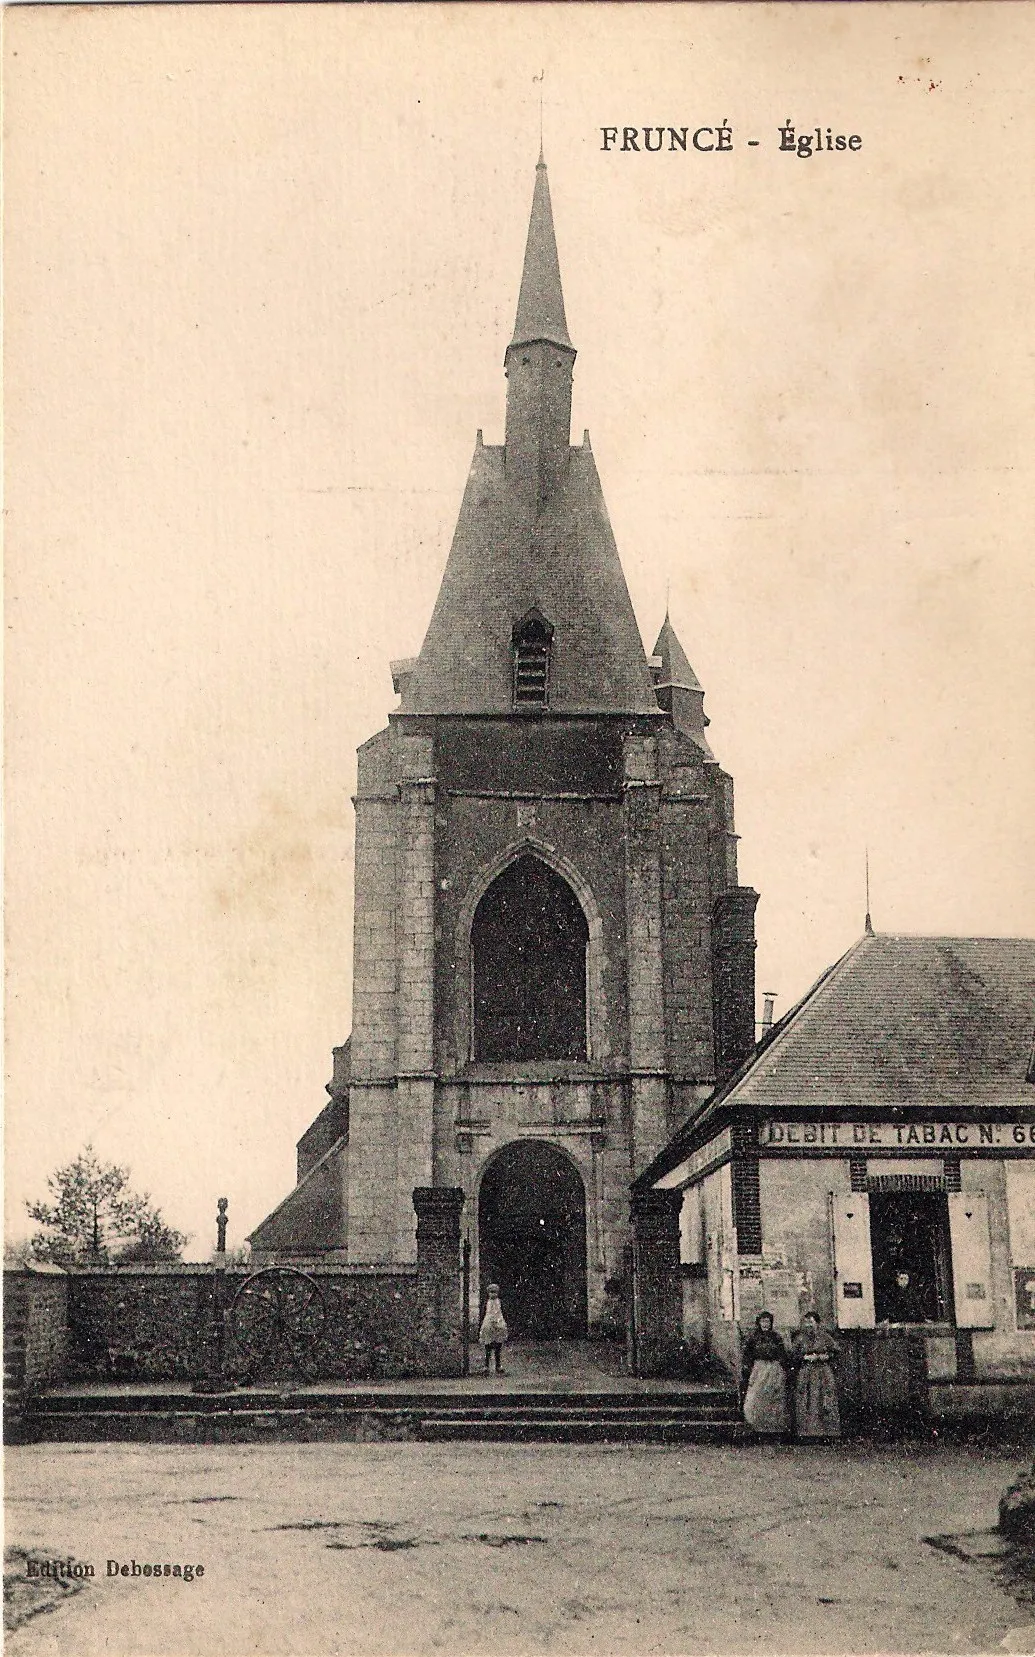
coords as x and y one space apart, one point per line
580 1426
694 1415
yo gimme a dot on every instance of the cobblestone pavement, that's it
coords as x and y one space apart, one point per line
370 1548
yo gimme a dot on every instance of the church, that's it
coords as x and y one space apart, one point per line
553 958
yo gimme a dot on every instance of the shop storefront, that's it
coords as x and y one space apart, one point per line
874 1161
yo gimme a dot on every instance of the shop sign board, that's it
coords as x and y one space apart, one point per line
896 1136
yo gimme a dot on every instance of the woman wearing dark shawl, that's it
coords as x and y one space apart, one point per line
816 1412
764 1373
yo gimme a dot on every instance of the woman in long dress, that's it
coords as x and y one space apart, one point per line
764 1373
816 1411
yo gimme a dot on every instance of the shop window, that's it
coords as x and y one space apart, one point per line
533 643
912 1272
528 944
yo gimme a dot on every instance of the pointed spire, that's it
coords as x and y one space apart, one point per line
675 669
533 534
540 312
678 689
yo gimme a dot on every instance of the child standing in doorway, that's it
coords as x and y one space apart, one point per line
493 1332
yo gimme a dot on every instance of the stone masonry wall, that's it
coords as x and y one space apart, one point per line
658 1286
377 895
567 798
145 1322
414 1102
687 822
150 1323
35 1331
373 1131
342 1322
645 969
586 1119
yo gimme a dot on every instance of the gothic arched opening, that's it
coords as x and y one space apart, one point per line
532 1240
528 946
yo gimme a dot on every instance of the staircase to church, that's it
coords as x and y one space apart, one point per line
553 1391
430 1411
696 1415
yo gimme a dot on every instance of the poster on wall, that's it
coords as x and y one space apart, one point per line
782 1290
1024 1296
767 1284
750 1292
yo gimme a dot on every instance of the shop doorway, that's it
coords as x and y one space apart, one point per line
912 1272
532 1240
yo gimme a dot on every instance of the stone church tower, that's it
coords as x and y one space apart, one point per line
553 959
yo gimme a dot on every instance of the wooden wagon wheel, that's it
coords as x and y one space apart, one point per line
278 1308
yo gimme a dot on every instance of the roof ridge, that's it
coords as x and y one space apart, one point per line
957 937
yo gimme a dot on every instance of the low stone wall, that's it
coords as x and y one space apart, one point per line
141 1322
303 1319
35 1330
152 1324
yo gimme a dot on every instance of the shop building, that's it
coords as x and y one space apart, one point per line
874 1160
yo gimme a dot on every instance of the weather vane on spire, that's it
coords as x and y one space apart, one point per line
539 79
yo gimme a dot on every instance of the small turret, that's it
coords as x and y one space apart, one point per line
678 689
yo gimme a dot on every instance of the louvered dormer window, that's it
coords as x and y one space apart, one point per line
533 640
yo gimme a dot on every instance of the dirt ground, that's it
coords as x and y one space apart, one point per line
414 1548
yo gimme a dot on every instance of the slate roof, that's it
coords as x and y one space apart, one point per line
898 1021
499 568
504 563
540 312
906 1020
678 688
675 669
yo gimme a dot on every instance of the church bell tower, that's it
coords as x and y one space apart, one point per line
554 962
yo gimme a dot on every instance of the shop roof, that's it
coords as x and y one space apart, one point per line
897 1021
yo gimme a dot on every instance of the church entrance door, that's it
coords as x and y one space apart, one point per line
532 1240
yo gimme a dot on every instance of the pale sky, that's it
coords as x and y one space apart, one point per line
261 268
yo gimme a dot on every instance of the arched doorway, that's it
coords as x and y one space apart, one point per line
532 1240
528 943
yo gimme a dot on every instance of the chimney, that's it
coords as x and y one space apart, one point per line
733 978
768 1003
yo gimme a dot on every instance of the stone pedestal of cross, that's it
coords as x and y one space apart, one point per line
211 1377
